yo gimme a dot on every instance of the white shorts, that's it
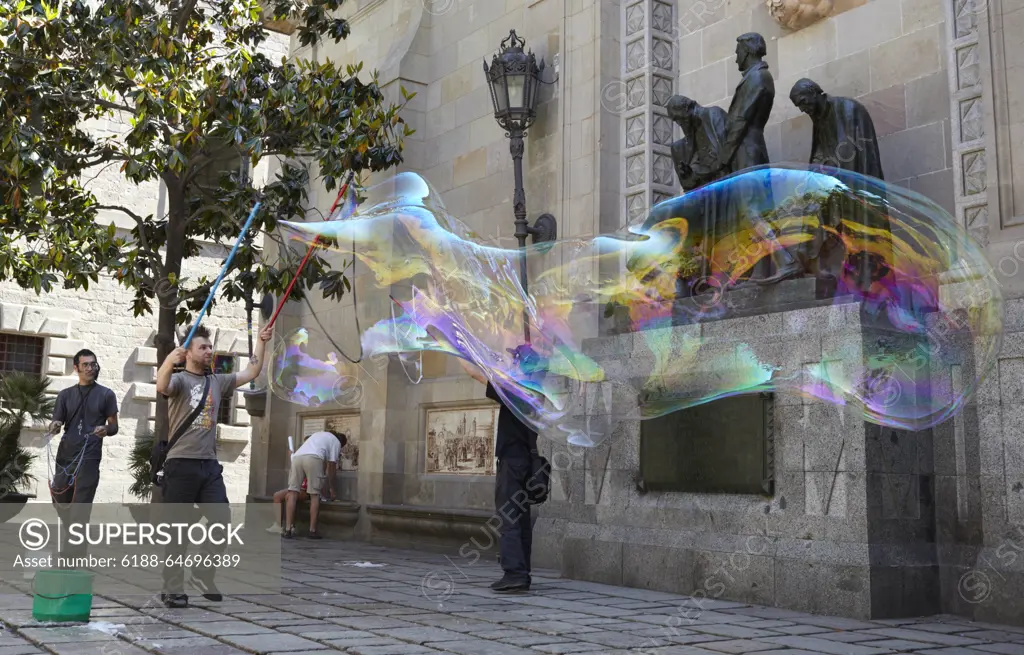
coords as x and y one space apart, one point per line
309 467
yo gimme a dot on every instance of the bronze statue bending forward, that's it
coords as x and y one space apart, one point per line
696 155
844 137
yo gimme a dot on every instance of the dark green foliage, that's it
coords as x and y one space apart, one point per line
21 396
138 464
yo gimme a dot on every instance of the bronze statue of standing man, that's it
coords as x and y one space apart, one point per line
745 147
751 106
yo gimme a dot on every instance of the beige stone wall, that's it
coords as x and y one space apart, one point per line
101 320
890 55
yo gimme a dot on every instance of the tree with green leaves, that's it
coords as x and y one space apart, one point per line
194 91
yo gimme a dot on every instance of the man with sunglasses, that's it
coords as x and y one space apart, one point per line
88 414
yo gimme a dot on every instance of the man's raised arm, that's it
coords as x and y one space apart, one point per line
252 371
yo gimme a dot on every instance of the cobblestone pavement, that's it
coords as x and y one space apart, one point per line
364 600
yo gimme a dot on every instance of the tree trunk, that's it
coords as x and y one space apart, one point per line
167 295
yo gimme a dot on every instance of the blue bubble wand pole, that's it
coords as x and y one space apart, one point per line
223 272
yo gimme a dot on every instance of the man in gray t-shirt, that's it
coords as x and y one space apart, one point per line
88 414
192 473
185 392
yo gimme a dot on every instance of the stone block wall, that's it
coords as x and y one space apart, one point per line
101 320
864 521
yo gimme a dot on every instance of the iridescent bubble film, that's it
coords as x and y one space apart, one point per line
307 369
806 282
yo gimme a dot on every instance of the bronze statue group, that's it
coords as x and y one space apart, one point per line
717 144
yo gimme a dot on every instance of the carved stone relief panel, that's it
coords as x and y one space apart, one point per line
970 152
648 69
998 26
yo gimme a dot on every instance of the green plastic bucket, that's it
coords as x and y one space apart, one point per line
62 595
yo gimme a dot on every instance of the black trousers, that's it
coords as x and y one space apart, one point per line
72 492
189 481
513 508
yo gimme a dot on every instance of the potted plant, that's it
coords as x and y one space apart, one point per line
142 476
21 397
255 401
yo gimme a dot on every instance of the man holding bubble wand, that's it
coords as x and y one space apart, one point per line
190 472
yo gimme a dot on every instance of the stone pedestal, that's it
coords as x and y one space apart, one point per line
847 526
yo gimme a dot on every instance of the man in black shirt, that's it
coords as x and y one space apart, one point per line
512 448
88 413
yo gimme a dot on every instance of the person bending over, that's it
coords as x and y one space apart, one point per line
316 459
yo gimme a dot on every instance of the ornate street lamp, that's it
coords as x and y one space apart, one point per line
513 78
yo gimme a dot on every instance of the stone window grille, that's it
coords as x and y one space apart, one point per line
21 353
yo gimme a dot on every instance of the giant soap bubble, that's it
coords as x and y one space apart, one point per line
812 282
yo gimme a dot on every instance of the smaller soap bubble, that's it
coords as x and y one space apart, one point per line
348 391
309 370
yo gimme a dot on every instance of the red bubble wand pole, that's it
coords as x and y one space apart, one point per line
309 253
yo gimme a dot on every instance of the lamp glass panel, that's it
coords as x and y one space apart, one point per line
500 95
531 94
516 87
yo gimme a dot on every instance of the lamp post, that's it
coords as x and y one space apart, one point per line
513 78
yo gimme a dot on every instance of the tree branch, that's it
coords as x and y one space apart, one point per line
106 104
182 20
135 217
109 156
113 105
141 223
194 167
195 293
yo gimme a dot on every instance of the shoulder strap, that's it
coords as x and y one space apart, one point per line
82 399
187 423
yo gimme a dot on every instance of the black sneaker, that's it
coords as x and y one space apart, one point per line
289 533
507 585
174 601
314 535
208 590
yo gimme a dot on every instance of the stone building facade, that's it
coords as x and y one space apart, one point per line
47 330
911 522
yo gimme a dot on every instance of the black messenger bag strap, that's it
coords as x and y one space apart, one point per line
183 428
